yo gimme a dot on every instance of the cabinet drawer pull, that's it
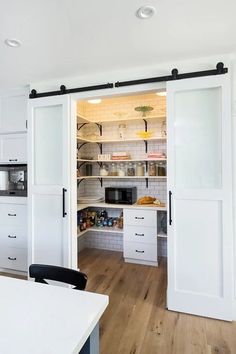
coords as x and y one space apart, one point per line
139 217
12 258
138 234
11 236
13 160
11 214
139 251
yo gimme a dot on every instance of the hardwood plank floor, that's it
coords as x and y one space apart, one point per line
137 322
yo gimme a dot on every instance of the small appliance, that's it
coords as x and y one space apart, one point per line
13 180
121 195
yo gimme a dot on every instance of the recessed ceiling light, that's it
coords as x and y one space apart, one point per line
12 42
161 93
95 101
145 12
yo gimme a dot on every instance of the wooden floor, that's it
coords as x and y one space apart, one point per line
137 322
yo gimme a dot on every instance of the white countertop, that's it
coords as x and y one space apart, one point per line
81 206
44 319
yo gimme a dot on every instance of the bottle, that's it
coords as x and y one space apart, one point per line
152 169
140 169
89 169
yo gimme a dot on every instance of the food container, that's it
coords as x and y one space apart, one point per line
104 170
152 169
140 169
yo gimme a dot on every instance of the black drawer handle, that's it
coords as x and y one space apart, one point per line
12 258
170 211
11 236
139 217
138 234
11 214
139 251
13 160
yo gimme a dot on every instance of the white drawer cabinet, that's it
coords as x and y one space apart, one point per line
13 215
13 236
140 217
140 251
13 148
140 236
13 258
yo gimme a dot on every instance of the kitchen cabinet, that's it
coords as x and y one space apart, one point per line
140 236
13 112
13 236
13 148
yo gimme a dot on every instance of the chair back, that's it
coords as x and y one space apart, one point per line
40 272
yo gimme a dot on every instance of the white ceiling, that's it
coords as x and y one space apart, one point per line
76 37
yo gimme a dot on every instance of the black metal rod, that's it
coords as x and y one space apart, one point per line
63 90
220 69
170 215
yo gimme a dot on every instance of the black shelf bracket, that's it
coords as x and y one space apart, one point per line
79 146
145 124
101 181
100 147
79 181
146 146
146 182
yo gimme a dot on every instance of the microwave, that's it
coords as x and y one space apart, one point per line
121 195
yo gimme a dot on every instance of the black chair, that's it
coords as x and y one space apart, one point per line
40 272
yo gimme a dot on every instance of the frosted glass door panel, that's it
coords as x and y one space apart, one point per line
48 147
198 138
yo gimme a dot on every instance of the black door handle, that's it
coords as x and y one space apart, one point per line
64 190
170 216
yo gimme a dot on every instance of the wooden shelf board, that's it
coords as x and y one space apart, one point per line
104 141
81 206
161 235
118 161
123 177
82 119
106 229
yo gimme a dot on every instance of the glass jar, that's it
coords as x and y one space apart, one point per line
131 169
152 169
163 128
113 170
140 169
161 169
122 131
104 170
121 169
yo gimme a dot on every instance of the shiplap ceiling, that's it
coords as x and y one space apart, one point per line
72 37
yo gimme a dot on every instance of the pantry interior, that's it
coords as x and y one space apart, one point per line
121 143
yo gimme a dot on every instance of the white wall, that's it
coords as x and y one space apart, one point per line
158 70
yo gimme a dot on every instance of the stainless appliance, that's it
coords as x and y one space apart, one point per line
121 195
13 180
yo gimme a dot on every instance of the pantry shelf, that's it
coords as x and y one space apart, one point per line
107 141
162 235
82 119
124 160
101 229
122 177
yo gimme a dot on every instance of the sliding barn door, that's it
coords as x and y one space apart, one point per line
200 189
49 181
